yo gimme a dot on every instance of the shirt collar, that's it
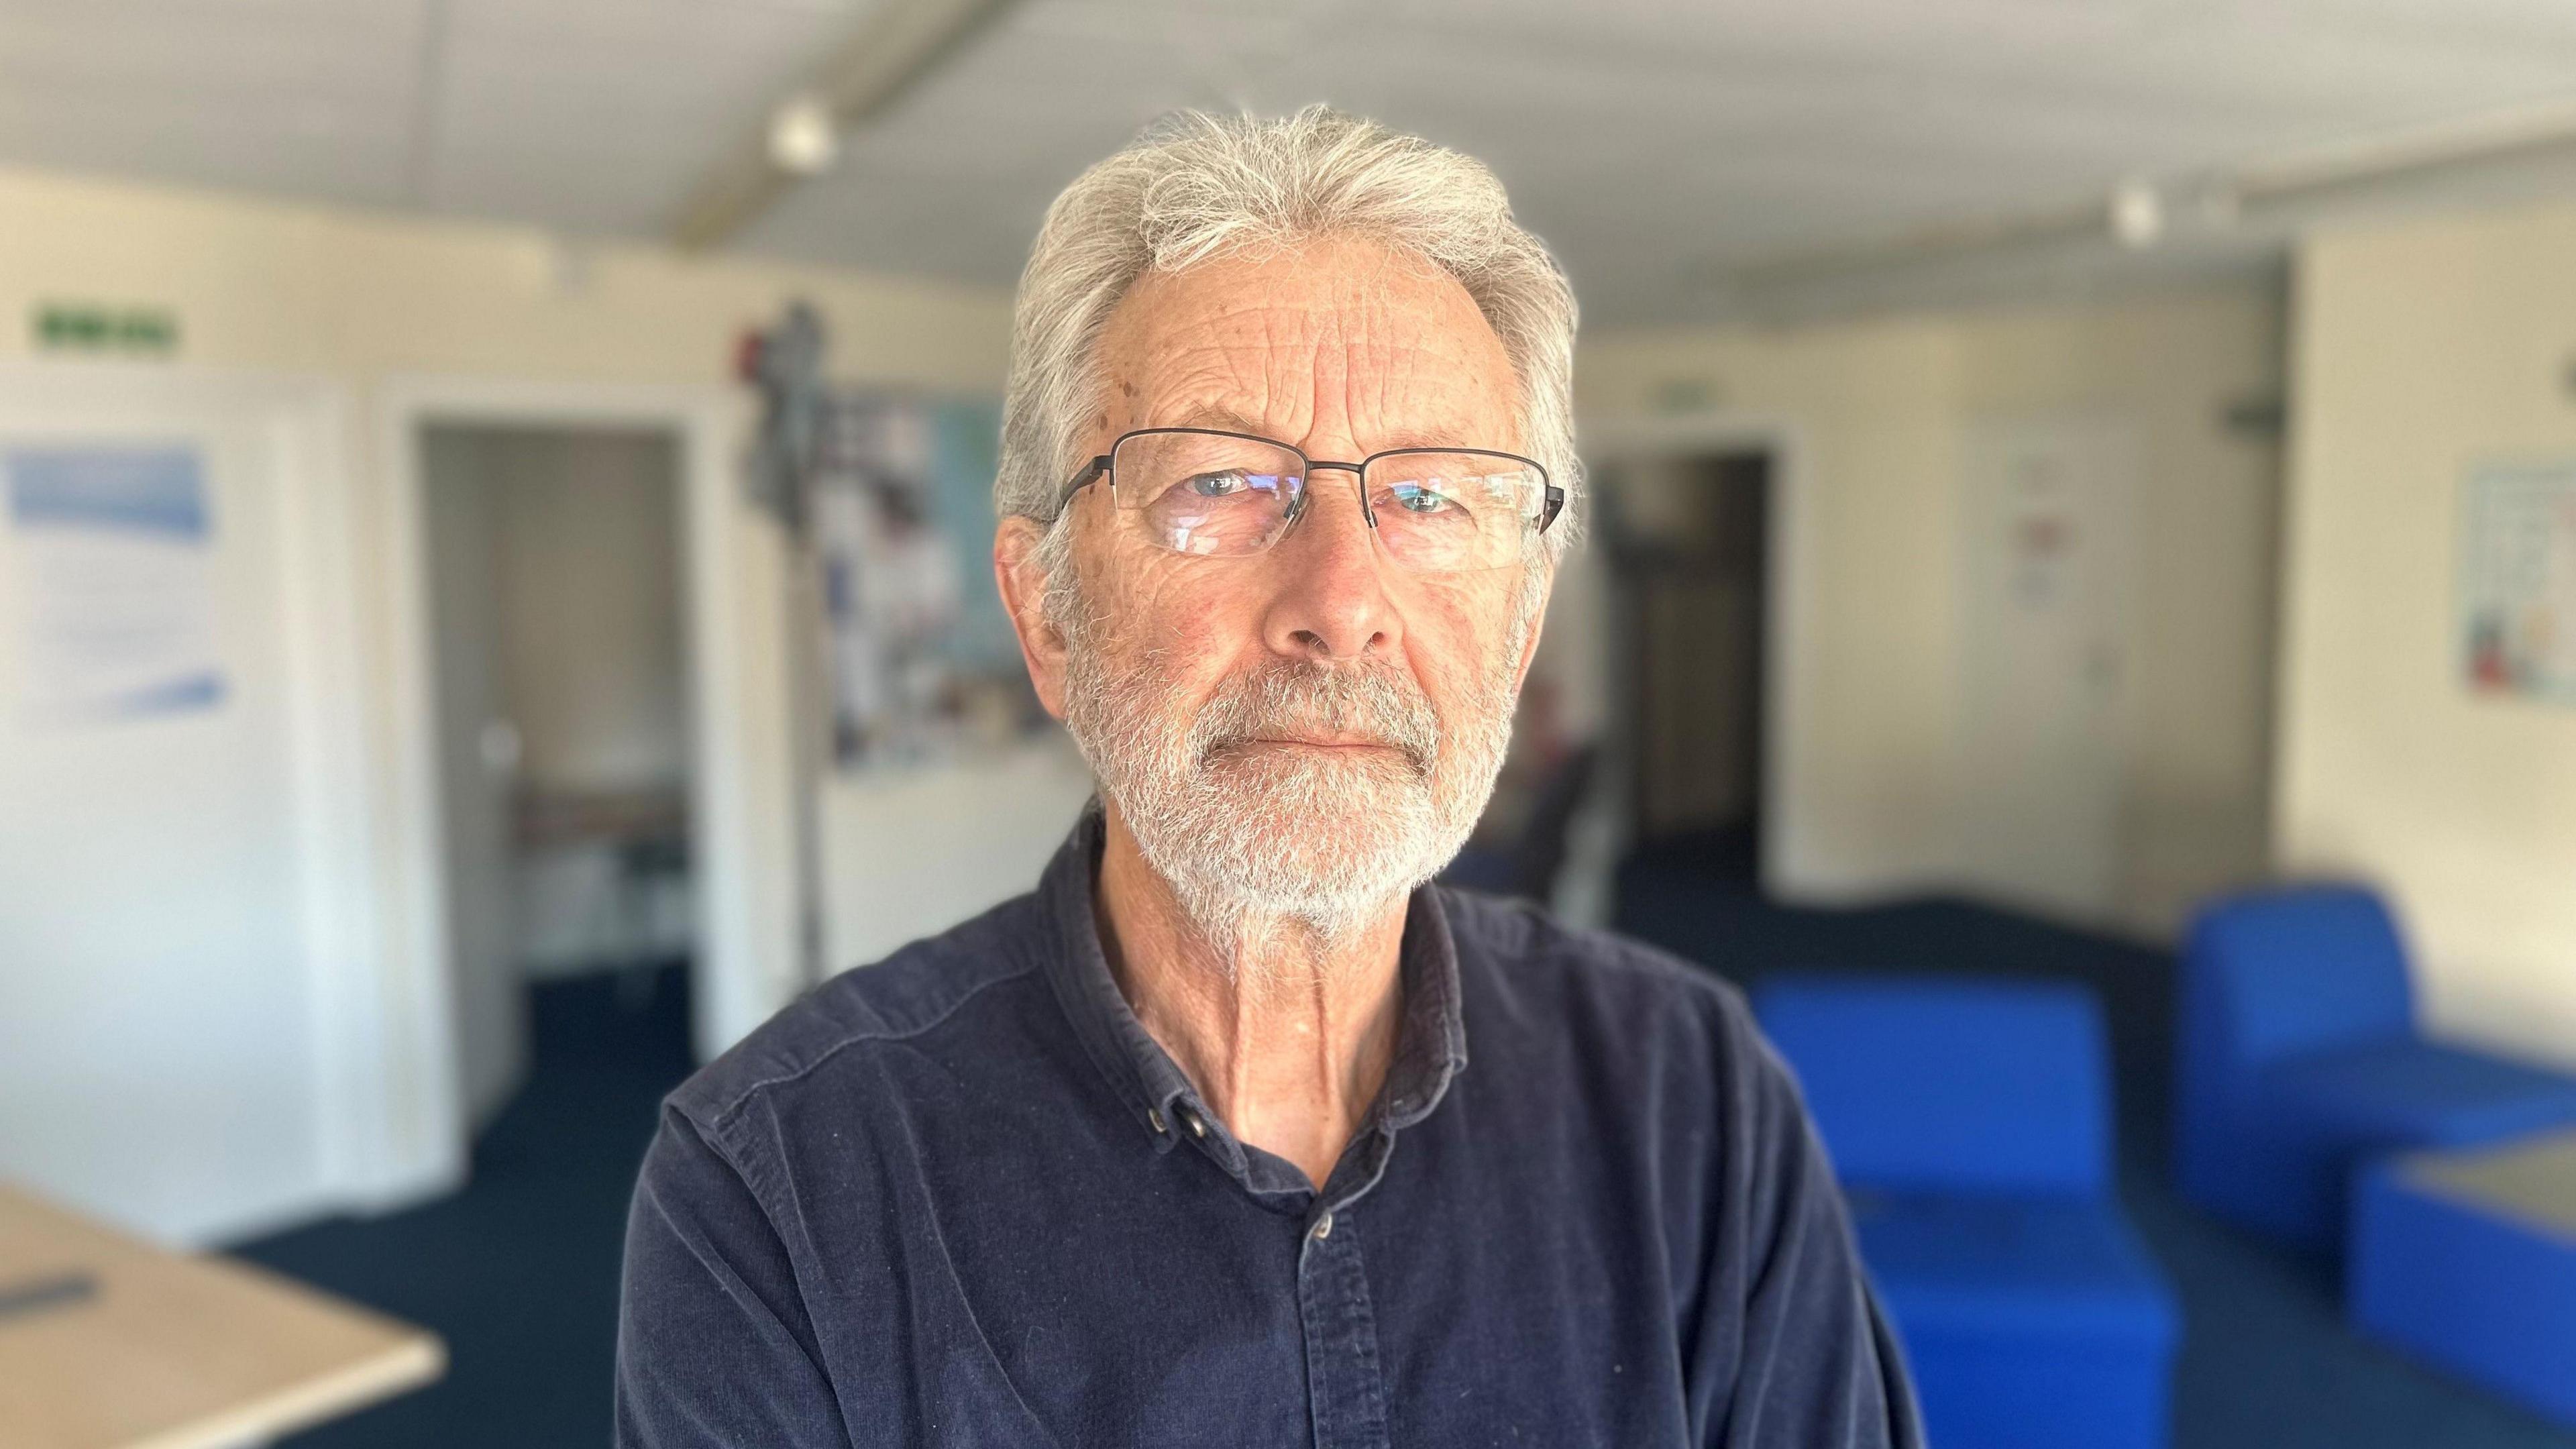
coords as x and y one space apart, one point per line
1431 1042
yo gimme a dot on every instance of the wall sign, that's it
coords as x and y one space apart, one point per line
85 327
113 548
2518 581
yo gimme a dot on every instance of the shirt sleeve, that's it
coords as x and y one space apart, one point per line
714 1346
1815 1364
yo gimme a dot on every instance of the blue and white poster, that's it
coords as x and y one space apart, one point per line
924 661
112 549
2518 581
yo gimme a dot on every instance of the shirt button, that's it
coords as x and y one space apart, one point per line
1198 1128
1155 1116
1323 1227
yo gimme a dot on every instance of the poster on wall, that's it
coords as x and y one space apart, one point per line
112 549
923 661
2518 581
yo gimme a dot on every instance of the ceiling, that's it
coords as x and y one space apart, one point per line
1655 145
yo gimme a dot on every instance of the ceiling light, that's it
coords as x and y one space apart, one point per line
2137 214
804 137
898 45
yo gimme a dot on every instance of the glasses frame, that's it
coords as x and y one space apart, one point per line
1106 466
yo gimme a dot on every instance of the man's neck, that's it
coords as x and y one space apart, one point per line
1286 1036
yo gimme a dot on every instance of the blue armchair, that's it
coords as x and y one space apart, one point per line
1970 1124
2296 1058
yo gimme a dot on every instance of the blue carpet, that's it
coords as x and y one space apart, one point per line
519 1271
2266 1362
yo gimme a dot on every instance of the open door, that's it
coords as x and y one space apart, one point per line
557 604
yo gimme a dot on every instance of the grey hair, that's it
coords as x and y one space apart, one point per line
1196 187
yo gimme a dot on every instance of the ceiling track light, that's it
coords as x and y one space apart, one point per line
1957 240
2136 214
899 45
804 136
2140 214
2324 173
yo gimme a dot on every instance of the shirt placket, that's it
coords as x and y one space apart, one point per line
1345 1389
1345 1384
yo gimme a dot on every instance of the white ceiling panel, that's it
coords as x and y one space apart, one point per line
596 115
306 97
1656 143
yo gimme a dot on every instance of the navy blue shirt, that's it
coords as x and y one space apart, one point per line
962 1197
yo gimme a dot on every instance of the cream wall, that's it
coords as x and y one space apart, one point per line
373 305
269 285
2421 351
360 298
1877 415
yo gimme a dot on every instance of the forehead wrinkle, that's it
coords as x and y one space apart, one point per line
1419 393
1356 346
1411 369
1230 356
1380 407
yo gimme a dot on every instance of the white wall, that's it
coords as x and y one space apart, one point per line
2421 351
176 890
1877 414
371 306
908 852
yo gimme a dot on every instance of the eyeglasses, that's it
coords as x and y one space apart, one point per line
1218 495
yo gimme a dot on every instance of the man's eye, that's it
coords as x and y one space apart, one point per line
1420 500
1218 485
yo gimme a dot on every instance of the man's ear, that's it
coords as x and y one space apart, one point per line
1023 582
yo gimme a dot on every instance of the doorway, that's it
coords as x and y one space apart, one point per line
559 644
1687 540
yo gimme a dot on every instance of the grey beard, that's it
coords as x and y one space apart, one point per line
1256 841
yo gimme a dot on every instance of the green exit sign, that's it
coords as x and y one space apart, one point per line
87 327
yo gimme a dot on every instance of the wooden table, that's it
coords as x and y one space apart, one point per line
2533 1179
109 1343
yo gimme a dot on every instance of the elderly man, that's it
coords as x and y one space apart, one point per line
1237 1131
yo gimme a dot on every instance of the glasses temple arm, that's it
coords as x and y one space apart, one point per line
1090 474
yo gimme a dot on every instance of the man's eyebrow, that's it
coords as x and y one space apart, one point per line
1218 416
1425 438
1226 419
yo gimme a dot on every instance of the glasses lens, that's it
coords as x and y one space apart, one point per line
1209 493
1449 512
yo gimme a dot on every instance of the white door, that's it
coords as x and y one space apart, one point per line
2046 605
478 755
171 887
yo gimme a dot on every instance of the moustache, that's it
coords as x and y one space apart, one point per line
1370 704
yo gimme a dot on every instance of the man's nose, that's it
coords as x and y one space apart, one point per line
1329 598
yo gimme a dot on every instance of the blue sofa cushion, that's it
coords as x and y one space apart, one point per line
2415 1093
2276 973
1927 1084
2000 1269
